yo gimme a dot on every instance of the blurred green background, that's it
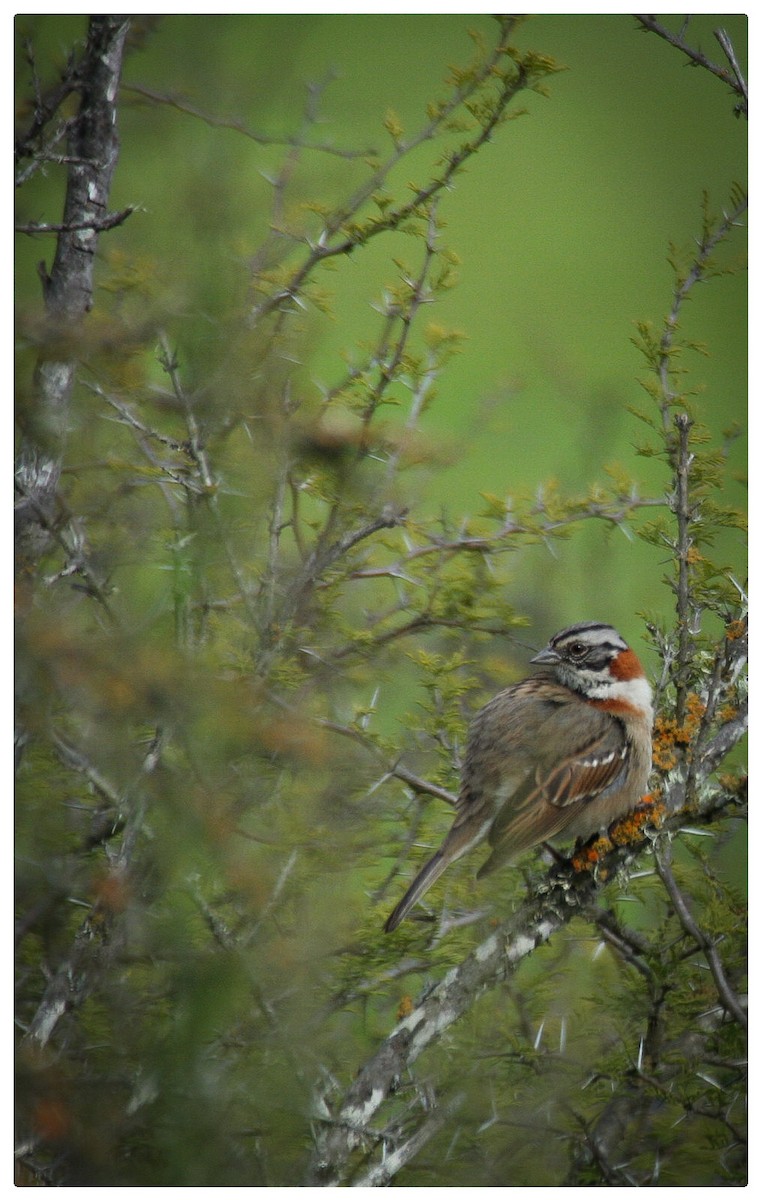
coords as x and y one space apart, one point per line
562 229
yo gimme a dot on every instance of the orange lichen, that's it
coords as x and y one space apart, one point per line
668 734
624 832
629 829
664 758
695 704
733 781
405 1008
735 630
588 857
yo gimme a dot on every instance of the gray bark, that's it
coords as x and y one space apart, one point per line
93 150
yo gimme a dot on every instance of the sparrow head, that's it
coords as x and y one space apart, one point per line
593 659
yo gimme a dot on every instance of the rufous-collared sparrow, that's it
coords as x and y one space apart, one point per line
563 753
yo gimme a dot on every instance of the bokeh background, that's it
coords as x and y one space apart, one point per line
252 963
562 229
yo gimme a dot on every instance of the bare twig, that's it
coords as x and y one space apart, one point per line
684 513
331 244
45 107
74 758
627 942
724 40
419 296
706 944
98 938
733 80
46 153
319 559
96 224
697 272
415 782
209 485
131 419
399 1152
614 512
237 125
60 528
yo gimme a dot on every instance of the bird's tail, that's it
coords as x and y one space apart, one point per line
419 886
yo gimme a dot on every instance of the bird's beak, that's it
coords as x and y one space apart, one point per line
548 655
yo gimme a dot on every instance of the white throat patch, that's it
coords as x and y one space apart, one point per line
636 692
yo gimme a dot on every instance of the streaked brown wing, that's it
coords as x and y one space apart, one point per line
549 802
578 779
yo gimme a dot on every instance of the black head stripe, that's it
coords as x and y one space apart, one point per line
610 636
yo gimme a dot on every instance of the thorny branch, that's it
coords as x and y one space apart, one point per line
397 769
237 125
389 363
653 1073
710 239
47 154
734 78
730 658
330 244
706 944
62 529
615 512
684 513
330 546
197 452
404 1150
350 1128
96 224
677 427
321 558
45 106
627 942
99 938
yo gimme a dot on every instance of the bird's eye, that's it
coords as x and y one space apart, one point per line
577 649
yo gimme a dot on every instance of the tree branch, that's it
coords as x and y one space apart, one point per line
681 908
414 782
101 935
327 248
93 147
558 899
735 80
97 224
237 125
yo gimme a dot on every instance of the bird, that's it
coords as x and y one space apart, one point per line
562 754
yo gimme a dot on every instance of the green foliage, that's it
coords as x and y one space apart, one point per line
697 465
247 661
